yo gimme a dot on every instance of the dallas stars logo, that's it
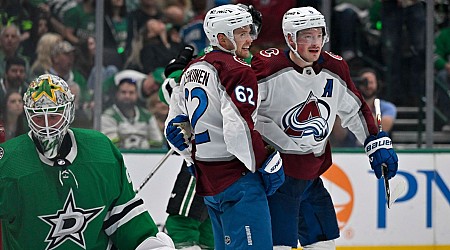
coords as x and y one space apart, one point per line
46 87
69 223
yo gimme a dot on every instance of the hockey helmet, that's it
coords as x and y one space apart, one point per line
297 19
49 108
225 19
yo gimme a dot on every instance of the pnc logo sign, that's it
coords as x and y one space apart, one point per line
338 183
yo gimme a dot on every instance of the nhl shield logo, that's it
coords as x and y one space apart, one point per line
227 240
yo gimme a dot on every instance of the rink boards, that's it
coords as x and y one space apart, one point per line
419 219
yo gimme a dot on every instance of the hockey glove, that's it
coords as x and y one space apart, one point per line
178 132
272 173
183 58
256 17
379 149
162 241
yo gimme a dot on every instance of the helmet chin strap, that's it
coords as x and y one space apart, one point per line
298 55
233 51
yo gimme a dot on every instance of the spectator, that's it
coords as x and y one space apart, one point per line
13 117
10 46
148 9
146 84
127 124
347 25
115 32
44 48
20 13
14 78
158 47
57 8
175 15
406 85
63 55
192 33
53 11
442 66
30 45
33 24
369 86
80 22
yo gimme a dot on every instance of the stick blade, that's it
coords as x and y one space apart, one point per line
398 191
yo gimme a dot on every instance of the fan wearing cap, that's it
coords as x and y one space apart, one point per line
128 124
63 56
147 84
68 188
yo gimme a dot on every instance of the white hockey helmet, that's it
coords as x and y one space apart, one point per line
49 108
225 19
297 19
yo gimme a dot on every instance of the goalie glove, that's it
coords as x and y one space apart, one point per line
379 149
272 173
162 241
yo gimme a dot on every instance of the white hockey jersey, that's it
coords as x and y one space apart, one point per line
219 93
299 107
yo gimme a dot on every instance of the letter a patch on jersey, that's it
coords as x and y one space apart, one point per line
69 223
307 119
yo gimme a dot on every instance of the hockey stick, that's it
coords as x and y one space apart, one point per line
158 165
401 186
384 168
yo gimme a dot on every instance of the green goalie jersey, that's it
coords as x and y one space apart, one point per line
83 201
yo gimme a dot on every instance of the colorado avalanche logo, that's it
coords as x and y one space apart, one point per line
307 119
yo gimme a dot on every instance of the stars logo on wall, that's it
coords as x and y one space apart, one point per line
69 223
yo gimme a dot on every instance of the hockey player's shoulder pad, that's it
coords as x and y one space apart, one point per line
268 62
333 63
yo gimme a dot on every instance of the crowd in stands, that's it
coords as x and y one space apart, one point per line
142 36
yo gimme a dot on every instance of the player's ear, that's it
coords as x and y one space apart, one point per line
222 39
291 41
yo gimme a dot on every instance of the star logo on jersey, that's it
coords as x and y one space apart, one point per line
308 118
69 223
46 87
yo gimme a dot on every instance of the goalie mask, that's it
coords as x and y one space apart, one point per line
225 19
298 19
49 109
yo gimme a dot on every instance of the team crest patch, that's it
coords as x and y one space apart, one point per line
69 223
2 152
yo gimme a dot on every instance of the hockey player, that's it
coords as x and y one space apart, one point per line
187 223
219 94
302 90
68 188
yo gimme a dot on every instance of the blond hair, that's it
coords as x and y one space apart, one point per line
44 47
